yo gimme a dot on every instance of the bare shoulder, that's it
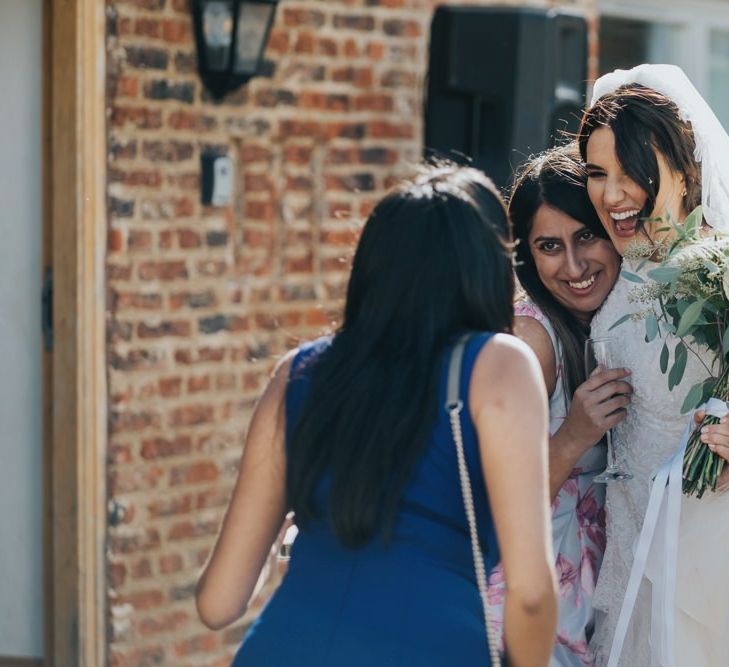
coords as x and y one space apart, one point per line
273 396
506 351
267 425
283 366
505 363
531 329
533 333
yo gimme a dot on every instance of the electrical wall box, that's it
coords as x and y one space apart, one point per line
216 180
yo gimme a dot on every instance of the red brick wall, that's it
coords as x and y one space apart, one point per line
202 300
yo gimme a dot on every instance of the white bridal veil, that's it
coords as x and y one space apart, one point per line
712 141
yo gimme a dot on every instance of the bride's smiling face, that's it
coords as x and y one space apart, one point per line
620 201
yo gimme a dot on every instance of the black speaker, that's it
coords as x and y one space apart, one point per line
503 83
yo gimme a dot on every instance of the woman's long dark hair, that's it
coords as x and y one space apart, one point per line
434 259
555 178
641 117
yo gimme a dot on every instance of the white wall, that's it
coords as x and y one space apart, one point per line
21 547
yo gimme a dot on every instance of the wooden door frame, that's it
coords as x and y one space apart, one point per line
75 461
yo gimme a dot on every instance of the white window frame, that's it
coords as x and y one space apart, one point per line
695 19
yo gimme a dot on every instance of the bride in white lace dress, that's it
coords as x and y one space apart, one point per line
648 436
640 162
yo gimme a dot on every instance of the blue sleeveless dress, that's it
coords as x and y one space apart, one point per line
411 602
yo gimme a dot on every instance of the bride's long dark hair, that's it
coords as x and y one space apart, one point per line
434 260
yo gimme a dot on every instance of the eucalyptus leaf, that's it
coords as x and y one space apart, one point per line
632 277
708 389
664 358
689 317
693 398
708 305
651 328
675 375
664 274
705 392
624 318
693 221
681 305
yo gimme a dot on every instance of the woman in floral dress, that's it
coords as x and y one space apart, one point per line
567 266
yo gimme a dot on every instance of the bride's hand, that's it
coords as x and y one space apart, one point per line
598 404
716 437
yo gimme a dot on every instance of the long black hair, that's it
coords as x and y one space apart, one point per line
555 178
434 259
640 118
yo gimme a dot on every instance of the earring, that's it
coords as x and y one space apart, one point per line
650 180
684 193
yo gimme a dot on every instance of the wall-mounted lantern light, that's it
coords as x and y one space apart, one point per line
230 37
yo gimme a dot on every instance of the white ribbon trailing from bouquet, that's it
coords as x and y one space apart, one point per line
664 506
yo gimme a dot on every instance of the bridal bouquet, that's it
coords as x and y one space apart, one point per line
687 295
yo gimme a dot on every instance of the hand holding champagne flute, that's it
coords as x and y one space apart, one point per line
601 352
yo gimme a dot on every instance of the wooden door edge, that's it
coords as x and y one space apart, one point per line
47 358
79 419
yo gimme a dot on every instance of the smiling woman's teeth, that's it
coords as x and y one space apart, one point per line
584 284
624 215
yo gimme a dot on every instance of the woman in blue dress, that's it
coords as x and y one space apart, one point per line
352 434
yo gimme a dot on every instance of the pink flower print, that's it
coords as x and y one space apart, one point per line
495 595
495 591
591 518
568 576
589 569
528 309
589 509
578 647
571 487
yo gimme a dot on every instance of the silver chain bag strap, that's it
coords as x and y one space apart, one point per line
454 405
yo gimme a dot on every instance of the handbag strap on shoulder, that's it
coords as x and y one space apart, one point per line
454 405
453 398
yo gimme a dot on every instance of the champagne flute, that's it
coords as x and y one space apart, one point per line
602 352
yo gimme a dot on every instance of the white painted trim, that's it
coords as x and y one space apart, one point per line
709 12
694 19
